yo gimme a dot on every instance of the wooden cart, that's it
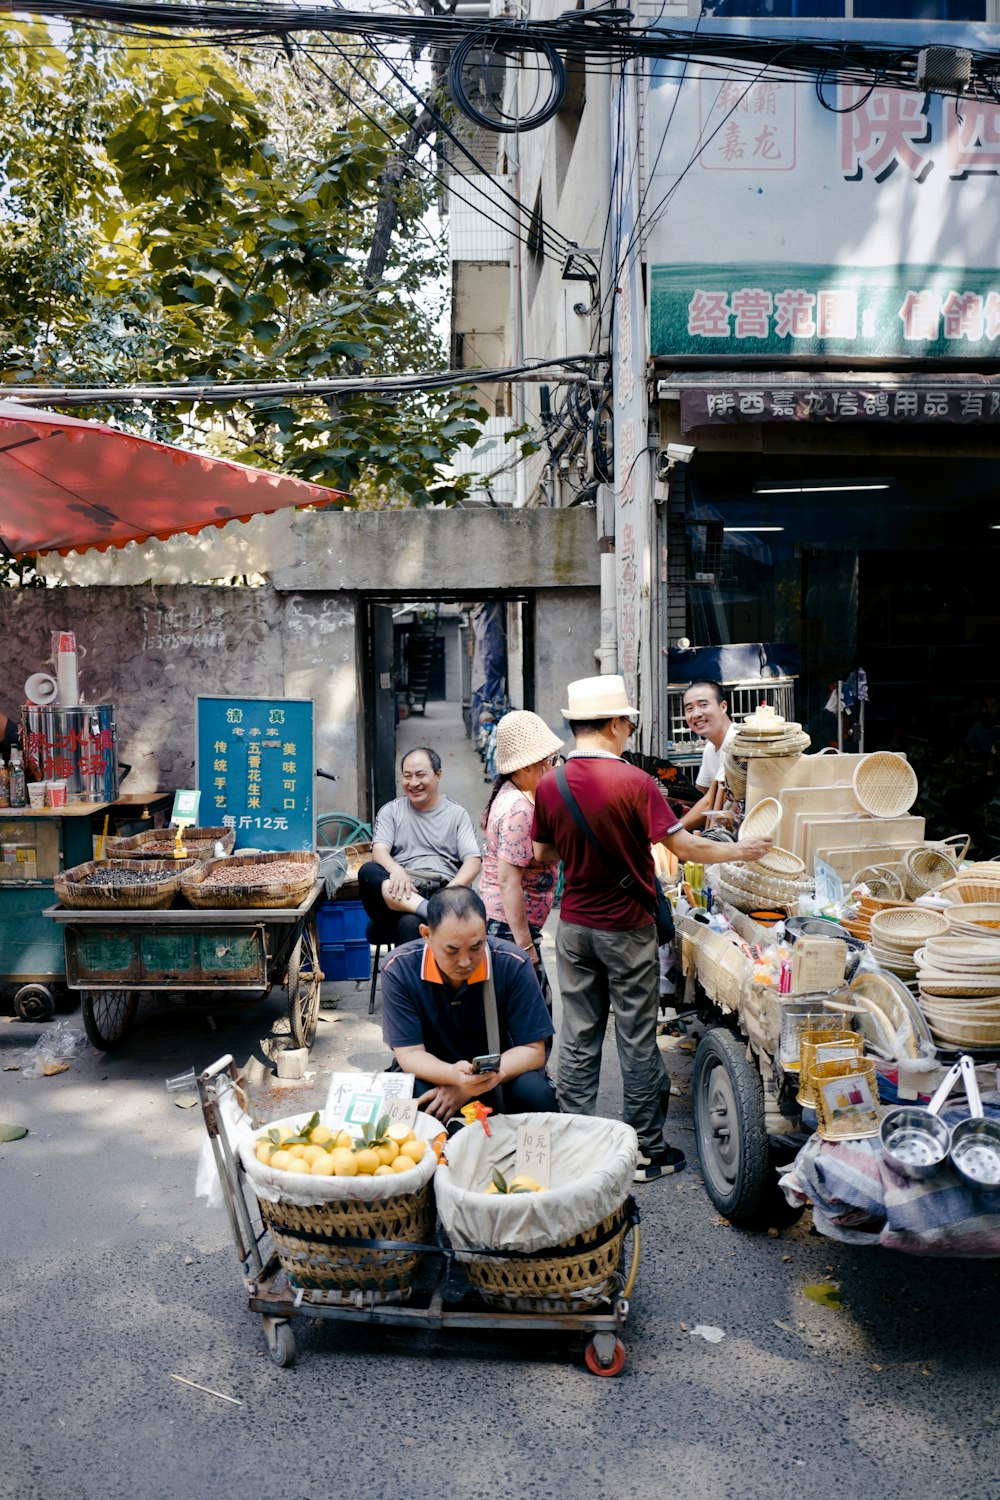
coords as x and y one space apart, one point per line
203 955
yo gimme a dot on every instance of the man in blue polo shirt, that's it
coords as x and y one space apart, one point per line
433 1014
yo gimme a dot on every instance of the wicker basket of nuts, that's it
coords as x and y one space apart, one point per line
252 880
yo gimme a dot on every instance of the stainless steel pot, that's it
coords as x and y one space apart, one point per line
975 1142
77 745
914 1140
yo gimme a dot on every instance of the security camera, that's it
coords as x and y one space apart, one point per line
669 457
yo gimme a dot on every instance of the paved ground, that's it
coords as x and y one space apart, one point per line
113 1277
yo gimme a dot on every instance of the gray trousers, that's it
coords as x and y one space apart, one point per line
599 971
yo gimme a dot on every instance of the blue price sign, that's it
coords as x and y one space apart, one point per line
256 766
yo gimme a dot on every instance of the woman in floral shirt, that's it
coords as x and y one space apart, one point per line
518 891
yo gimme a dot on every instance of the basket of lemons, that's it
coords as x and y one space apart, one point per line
528 1246
320 1184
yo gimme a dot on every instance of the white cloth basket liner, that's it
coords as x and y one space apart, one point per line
592 1165
305 1191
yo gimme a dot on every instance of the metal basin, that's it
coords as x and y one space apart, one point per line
914 1141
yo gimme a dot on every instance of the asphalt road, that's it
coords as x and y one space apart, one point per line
113 1277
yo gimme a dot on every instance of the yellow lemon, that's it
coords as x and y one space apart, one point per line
284 1161
321 1135
344 1162
524 1185
388 1153
313 1154
415 1149
493 1188
345 1141
403 1163
367 1160
399 1133
383 1171
297 1150
285 1132
325 1166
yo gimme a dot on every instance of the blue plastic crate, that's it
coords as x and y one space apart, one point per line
342 922
345 960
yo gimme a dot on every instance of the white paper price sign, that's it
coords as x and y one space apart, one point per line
343 1087
534 1153
400 1112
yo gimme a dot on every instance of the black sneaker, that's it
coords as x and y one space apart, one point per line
662 1164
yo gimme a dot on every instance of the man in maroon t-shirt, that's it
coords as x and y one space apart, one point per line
606 943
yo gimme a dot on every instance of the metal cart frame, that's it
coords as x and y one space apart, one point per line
207 955
279 1304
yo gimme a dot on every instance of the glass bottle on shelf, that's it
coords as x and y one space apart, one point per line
16 777
4 784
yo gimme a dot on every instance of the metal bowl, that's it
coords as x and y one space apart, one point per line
975 1153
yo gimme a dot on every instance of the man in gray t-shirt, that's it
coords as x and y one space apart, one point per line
421 841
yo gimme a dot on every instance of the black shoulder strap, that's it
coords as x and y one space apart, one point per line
627 882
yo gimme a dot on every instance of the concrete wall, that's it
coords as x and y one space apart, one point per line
418 553
153 649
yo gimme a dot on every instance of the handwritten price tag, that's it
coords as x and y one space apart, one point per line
343 1087
401 1112
533 1156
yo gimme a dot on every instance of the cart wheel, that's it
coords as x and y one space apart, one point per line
733 1147
614 1364
304 979
33 1002
281 1344
108 1016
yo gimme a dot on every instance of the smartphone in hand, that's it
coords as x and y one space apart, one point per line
488 1062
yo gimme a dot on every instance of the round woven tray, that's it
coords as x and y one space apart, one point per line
306 1242
748 749
199 843
885 784
571 1277
778 862
762 819
254 892
73 891
966 888
908 926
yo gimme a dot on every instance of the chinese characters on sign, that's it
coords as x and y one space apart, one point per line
706 408
747 126
796 313
255 767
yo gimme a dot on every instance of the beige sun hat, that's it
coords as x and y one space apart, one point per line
522 740
598 698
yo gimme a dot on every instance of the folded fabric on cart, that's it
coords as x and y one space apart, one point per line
858 1199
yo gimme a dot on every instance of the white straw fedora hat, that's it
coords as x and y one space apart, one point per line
598 698
523 739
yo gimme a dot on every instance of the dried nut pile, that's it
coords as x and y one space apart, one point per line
115 877
282 871
167 846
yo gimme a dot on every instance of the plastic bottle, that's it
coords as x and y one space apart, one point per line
18 781
4 785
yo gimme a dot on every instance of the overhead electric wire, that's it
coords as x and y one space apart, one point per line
575 367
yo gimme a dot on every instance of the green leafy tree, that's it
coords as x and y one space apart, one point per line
172 213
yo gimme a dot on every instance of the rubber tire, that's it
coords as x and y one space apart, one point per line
33 1002
281 1346
108 1016
304 986
607 1371
738 1179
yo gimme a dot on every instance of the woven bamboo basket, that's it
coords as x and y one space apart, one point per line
307 1244
73 891
973 917
722 967
357 855
883 882
885 784
969 887
198 842
736 776
255 890
925 868
572 1277
957 1032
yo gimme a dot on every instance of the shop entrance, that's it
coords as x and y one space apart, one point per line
893 570
429 667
